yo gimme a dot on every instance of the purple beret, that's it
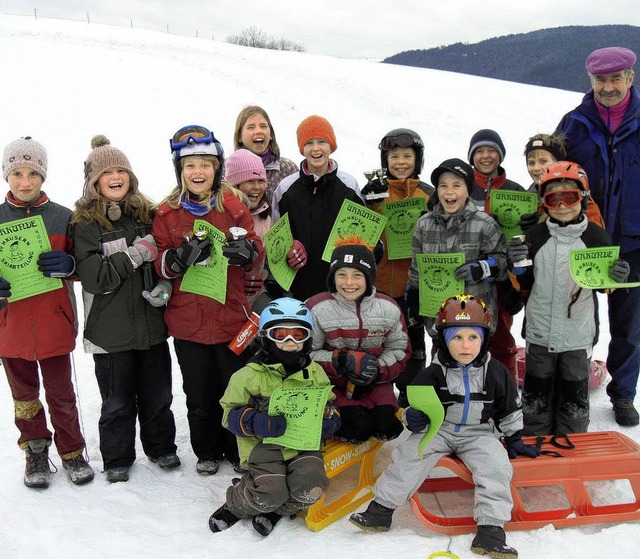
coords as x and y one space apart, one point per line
609 60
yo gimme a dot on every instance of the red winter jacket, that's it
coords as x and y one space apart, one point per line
197 318
44 325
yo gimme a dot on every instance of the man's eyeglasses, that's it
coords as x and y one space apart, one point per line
281 334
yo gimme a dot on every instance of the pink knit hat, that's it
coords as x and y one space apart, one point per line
242 166
609 60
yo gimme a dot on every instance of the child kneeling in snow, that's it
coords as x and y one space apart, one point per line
279 481
474 389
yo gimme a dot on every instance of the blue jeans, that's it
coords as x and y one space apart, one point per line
623 360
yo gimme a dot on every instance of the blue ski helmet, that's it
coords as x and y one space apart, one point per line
285 309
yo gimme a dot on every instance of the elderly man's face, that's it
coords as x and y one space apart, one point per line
611 89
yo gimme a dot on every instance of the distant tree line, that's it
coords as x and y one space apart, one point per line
255 37
549 57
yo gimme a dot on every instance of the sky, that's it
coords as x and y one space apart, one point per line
375 29
65 82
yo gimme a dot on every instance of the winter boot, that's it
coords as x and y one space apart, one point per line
492 541
265 523
626 414
78 469
222 519
37 473
376 518
166 461
207 466
118 473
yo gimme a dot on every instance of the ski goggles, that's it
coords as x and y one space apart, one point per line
281 334
191 134
402 140
552 200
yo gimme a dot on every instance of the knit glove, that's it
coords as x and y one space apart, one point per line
527 221
252 283
297 256
5 291
417 421
516 446
339 360
245 421
56 264
160 294
474 272
619 271
142 250
187 254
361 367
240 252
517 250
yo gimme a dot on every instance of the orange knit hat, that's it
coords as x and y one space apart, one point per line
315 126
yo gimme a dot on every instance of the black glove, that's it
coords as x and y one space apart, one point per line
527 221
417 421
516 446
375 189
187 254
339 360
512 302
5 291
56 264
474 272
361 367
240 252
412 302
619 271
517 250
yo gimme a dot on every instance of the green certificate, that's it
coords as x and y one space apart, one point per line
590 267
208 278
21 243
401 221
354 220
278 241
425 399
437 280
509 206
304 410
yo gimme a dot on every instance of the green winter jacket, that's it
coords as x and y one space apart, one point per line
253 385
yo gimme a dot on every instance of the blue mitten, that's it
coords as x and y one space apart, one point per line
331 421
516 446
56 264
417 421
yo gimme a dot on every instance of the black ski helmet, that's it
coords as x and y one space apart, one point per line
402 138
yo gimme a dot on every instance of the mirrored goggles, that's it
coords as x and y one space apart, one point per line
281 334
399 141
191 134
553 199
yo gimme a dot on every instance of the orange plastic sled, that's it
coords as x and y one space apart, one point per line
597 458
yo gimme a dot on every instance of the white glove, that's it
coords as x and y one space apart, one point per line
160 294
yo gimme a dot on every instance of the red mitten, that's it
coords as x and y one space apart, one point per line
297 256
252 283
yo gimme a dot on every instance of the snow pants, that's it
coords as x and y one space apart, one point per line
135 384
275 485
30 417
555 397
206 370
476 446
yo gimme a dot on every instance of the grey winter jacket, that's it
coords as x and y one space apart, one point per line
470 231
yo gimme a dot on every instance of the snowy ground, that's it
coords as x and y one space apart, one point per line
64 83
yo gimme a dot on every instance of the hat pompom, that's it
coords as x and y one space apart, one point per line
99 140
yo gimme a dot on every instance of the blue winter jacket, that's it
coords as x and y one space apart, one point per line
612 164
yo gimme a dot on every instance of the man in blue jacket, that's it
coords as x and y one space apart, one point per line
603 136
